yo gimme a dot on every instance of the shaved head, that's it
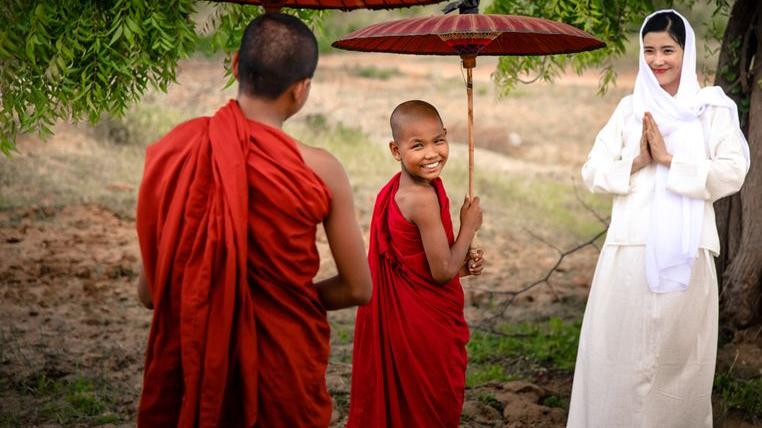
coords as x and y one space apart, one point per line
276 51
409 112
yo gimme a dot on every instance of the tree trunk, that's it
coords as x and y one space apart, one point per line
739 266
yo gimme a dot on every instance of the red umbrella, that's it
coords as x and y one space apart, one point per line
469 35
275 5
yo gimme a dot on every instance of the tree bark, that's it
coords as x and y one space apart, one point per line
739 265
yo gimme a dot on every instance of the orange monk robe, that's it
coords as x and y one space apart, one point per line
409 359
227 216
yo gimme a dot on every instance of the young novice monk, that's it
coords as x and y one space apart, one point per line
227 214
409 361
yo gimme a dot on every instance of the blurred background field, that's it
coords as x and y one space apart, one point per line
72 334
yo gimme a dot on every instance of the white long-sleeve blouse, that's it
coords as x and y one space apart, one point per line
609 163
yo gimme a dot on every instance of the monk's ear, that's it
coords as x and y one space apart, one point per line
395 149
302 90
234 64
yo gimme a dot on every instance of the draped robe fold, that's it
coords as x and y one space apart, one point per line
226 219
409 360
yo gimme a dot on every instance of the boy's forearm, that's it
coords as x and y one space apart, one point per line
463 243
331 295
458 253
336 294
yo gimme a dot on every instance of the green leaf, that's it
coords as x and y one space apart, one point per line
76 59
30 47
132 25
117 34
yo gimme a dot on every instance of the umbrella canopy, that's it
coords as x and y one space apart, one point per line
274 5
470 34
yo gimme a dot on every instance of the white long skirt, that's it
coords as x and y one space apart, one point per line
645 359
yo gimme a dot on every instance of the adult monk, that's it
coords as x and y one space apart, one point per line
409 360
227 215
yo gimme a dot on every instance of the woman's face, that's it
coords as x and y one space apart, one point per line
665 58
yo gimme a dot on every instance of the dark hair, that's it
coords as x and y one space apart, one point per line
276 51
669 22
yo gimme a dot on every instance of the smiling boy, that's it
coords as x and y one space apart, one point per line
409 360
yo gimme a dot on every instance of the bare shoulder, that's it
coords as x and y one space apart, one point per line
417 203
325 165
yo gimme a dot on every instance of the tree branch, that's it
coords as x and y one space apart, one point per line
488 323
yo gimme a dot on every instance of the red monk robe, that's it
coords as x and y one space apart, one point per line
227 215
409 360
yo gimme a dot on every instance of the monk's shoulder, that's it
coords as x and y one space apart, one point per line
417 202
325 165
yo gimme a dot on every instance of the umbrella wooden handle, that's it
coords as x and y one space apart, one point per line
469 62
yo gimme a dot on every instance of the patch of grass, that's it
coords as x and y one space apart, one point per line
489 399
140 126
68 401
542 203
443 84
93 174
552 343
556 401
744 395
551 200
120 270
342 333
480 374
345 356
317 122
341 398
9 421
373 72
101 166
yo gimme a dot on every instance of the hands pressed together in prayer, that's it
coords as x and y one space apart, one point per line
652 147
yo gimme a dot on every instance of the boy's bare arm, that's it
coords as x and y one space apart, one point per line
445 261
352 285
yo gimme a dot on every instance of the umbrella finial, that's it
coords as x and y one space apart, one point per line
464 7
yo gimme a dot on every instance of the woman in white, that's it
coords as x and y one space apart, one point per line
649 337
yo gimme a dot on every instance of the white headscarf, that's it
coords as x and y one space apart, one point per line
676 221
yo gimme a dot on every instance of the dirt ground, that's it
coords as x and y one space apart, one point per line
67 270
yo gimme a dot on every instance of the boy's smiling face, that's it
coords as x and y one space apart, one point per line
421 147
